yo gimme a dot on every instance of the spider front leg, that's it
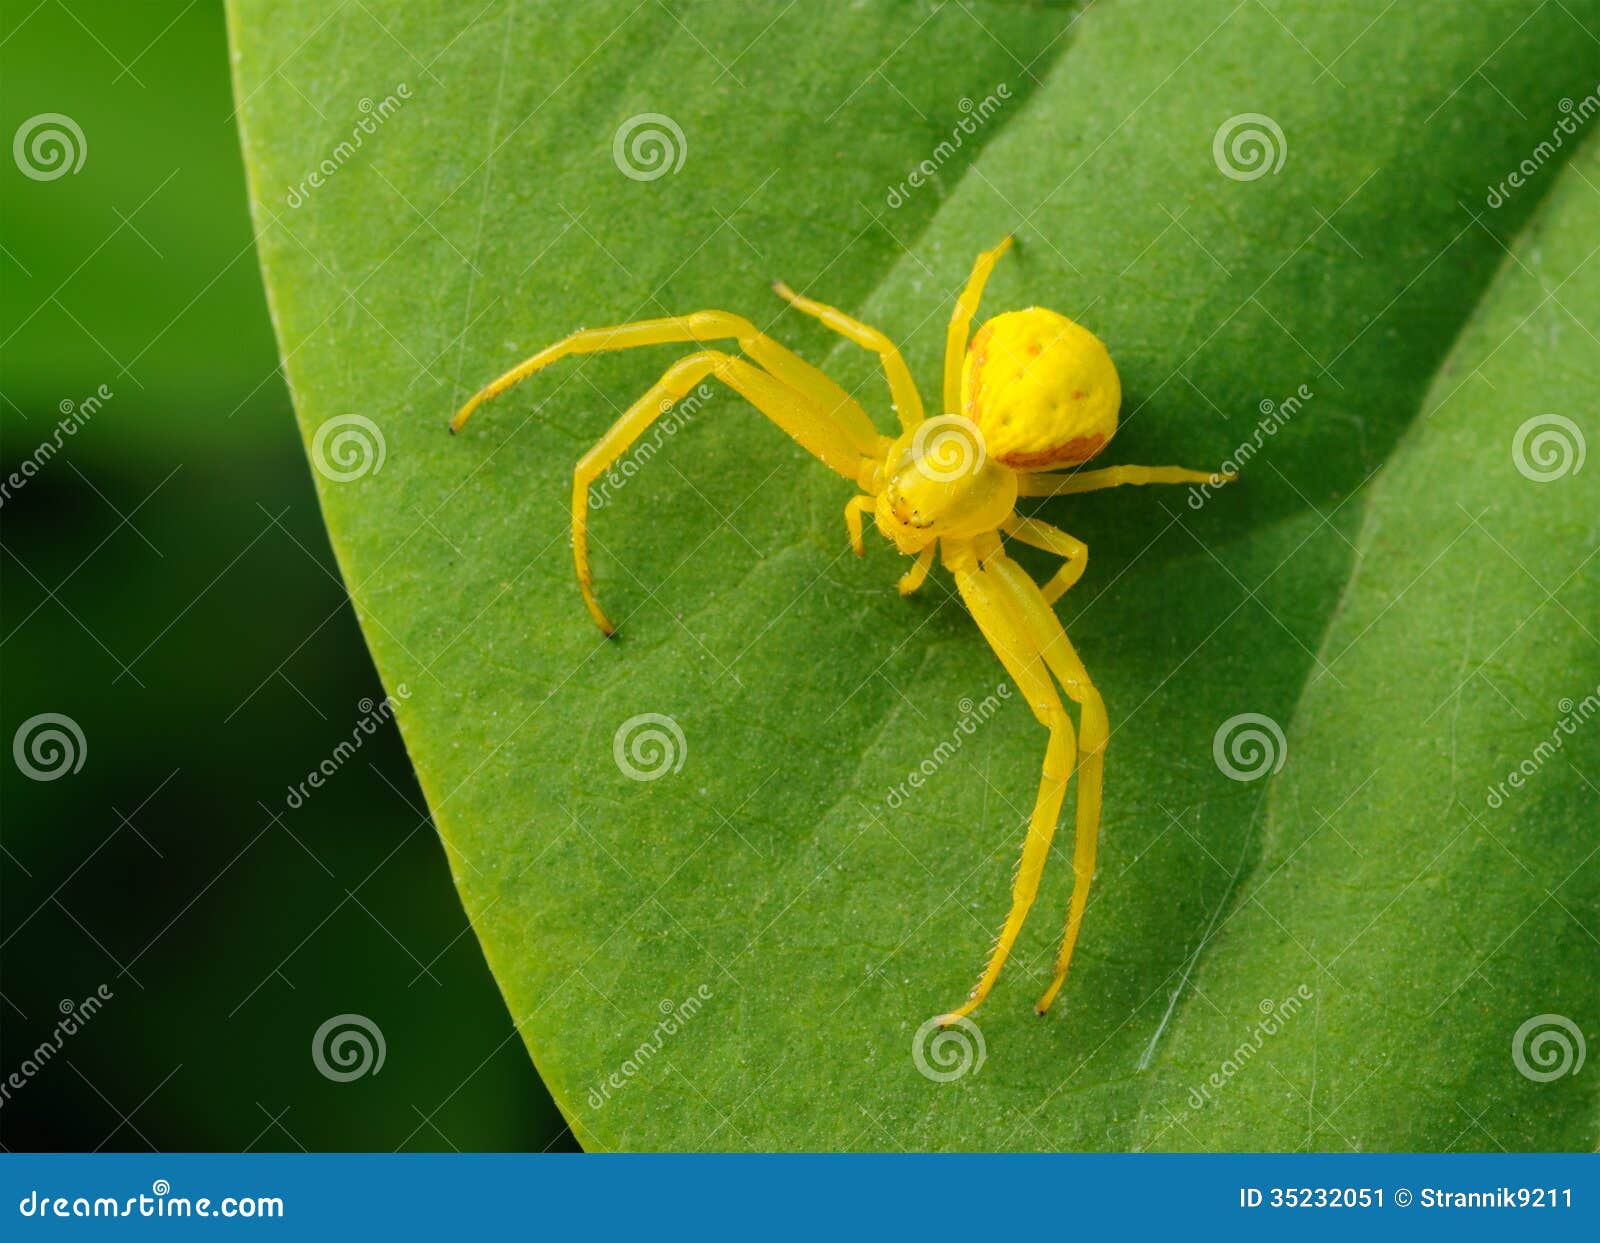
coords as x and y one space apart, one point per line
918 573
853 509
988 598
823 436
787 366
913 578
955 340
902 388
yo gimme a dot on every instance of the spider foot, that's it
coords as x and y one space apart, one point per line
607 627
1042 1006
959 1013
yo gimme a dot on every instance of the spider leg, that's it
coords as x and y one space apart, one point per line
1113 476
918 573
785 364
816 431
1044 630
853 509
988 598
955 342
1074 551
902 388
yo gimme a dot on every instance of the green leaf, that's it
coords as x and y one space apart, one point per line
741 953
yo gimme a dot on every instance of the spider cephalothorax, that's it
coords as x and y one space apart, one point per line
939 482
1034 392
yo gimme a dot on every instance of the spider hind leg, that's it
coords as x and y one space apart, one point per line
1074 553
988 598
1046 633
1026 635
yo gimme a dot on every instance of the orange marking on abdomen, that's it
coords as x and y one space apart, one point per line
1080 449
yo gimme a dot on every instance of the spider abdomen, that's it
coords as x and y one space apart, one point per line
1041 388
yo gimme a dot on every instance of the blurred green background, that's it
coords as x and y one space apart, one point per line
165 582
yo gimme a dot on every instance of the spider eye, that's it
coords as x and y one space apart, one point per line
904 512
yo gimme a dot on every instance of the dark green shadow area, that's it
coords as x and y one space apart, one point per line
166 583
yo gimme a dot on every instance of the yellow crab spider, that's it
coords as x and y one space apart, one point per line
1033 392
